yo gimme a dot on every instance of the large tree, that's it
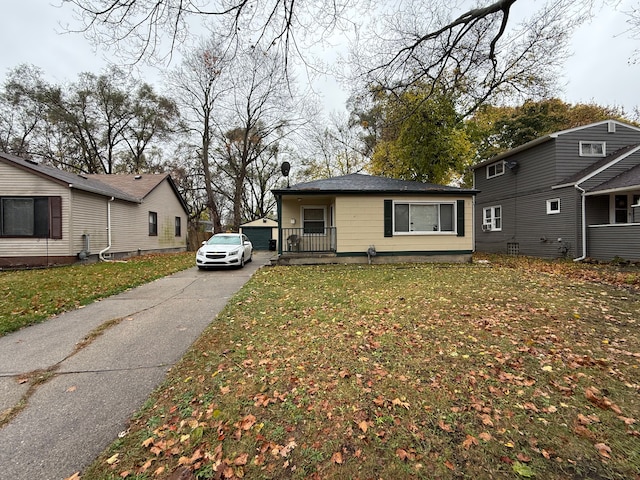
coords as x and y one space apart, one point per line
496 129
421 139
480 51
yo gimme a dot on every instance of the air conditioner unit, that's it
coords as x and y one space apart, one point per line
486 227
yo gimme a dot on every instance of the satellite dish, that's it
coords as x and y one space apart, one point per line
285 168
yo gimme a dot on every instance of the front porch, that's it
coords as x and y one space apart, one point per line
307 240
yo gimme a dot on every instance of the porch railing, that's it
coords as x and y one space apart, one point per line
296 240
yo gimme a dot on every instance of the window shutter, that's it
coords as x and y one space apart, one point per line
388 218
55 209
460 217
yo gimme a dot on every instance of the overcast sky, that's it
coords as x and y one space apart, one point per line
599 70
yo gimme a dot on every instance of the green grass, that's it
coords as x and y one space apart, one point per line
517 368
31 296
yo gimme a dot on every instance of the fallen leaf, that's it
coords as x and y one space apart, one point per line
402 454
444 426
486 436
71 389
523 470
583 431
523 458
225 390
364 426
603 450
241 460
449 465
75 476
469 441
337 458
113 459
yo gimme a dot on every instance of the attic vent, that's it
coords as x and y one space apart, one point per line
137 177
611 127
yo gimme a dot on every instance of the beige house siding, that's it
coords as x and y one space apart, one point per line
360 223
14 181
163 201
89 217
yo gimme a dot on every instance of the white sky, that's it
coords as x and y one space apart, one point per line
599 70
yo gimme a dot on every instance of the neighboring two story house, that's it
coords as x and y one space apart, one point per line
574 193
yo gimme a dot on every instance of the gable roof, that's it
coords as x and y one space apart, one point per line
129 187
546 138
71 180
599 166
358 183
624 181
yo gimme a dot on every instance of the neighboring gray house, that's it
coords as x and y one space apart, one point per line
49 216
574 193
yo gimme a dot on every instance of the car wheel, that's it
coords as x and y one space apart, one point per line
242 261
250 257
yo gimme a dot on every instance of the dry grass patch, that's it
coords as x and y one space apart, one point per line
401 371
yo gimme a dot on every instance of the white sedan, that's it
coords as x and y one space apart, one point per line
225 250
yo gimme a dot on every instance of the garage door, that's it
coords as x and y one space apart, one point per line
259 236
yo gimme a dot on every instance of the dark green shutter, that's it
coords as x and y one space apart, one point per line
460 217
388 218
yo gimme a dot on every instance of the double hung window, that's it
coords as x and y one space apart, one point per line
492 218
495 169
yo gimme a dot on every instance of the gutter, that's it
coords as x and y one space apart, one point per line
584 225
104 250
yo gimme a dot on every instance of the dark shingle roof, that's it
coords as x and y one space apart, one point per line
358 183
602 163
627 179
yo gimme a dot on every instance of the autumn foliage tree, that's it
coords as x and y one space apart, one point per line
422 138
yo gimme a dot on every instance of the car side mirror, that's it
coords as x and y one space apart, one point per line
204 242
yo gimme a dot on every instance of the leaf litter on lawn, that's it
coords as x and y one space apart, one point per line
401 371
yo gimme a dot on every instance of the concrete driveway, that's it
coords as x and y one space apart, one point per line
93 391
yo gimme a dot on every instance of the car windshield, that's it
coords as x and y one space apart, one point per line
224 240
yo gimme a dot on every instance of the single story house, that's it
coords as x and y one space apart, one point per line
52 217
362 218
573 193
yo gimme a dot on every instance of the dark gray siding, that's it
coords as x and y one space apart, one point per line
597 210
527 224
612 171
568 147
607 242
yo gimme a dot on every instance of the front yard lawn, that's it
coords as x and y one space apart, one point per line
32 296
512 369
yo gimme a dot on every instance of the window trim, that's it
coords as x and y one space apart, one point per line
550 209
492 219
51 209
153 224
583 143
496 174
454 219
324 219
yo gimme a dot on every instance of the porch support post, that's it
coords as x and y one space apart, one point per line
279 212
584 225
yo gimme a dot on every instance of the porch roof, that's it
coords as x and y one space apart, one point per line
629 179
358 184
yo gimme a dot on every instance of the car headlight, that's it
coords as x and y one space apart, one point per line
200 252
235 252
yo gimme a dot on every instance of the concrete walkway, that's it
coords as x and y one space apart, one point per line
78 412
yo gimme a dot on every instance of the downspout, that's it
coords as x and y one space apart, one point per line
279 214
104 250
584 225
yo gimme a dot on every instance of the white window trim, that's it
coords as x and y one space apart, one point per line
550 210
492 220
324 219
495 165
437 232
604 149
